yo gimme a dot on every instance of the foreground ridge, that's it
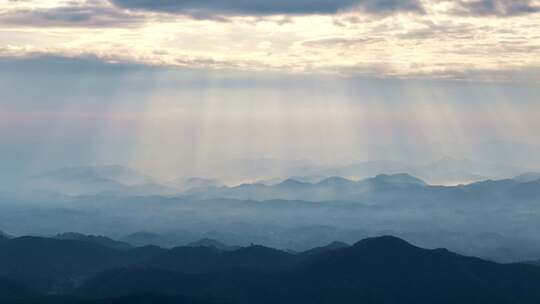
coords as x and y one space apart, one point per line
382 269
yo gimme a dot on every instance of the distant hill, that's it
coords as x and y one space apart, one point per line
332 188
167 240
48 264
185 184
445 171
325 249
101 240
209 259
210 243
528 177
400 179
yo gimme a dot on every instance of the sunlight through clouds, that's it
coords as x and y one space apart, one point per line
172 87
445 39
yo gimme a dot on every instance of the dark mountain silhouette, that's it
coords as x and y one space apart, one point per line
47 264
142 238
211 243
122 282
388 270
325 249
101 240
209 259
168 240
376 270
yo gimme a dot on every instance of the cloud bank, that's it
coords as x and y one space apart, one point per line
201 8
499 7
490 40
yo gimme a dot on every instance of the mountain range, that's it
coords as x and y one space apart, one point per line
444 171
374 270
332 188
342 189
297 215
123 181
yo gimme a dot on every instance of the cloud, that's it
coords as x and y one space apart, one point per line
32 63
213 8
86 14
498 7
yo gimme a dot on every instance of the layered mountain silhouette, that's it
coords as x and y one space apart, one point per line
185 184
53 265
211 243
375 270
446 170
124 181
378 270
167 240
332 188
400 186
97 239
270 214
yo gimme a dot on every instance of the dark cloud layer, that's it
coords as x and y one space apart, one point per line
499 7
71 16
212 8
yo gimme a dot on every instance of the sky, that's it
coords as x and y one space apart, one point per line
170 86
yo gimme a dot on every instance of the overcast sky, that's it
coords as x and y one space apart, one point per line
168 85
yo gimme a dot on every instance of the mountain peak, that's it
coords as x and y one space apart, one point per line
385 243
95 239
399 178
291 183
